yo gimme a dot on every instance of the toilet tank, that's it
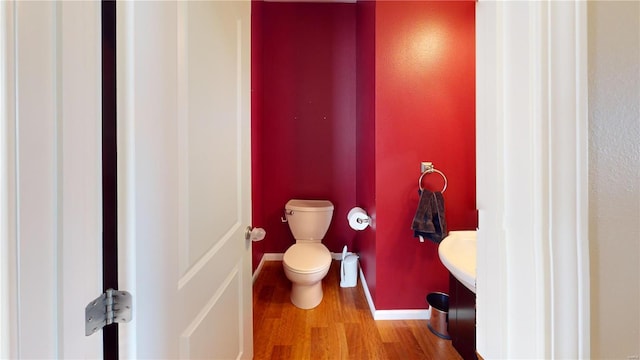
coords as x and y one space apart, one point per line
309 219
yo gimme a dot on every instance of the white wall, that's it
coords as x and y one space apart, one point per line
614 177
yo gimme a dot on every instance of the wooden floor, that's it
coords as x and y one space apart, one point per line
341 327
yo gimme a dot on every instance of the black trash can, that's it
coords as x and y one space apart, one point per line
438 323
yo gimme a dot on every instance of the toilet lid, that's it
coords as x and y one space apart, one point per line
307 258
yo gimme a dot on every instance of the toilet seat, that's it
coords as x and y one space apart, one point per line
307 258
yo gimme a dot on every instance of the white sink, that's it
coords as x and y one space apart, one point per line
458 254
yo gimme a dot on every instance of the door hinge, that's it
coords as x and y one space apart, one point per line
113 306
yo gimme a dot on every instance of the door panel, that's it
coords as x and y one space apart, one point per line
50 195
211 90
36 174
184 155
210 118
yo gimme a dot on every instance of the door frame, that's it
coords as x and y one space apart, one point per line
50 190
533 281
493 324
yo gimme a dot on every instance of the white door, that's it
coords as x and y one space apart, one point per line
183 77
184 178
50 178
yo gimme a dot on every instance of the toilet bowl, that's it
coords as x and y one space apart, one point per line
305 265
307 261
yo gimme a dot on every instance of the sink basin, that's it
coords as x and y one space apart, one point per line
458 254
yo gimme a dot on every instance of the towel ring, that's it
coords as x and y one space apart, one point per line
429 171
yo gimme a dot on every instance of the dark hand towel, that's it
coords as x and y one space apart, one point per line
429 221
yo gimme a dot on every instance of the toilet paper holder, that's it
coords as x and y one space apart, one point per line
363 221
358 218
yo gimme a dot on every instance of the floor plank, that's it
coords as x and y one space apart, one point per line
341 327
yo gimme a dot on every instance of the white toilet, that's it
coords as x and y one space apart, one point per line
307 261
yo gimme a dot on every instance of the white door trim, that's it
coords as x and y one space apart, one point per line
50 192
533 265
126 166
8 257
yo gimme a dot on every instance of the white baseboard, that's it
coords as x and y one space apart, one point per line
367 294
401 314
273 256
258 269
338 256
279 256
407 314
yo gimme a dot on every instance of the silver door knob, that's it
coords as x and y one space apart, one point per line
254 234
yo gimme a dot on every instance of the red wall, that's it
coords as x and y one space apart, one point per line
306 141
411 98
365 243
256 128
424 111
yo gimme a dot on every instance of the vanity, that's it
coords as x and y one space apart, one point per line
458 254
